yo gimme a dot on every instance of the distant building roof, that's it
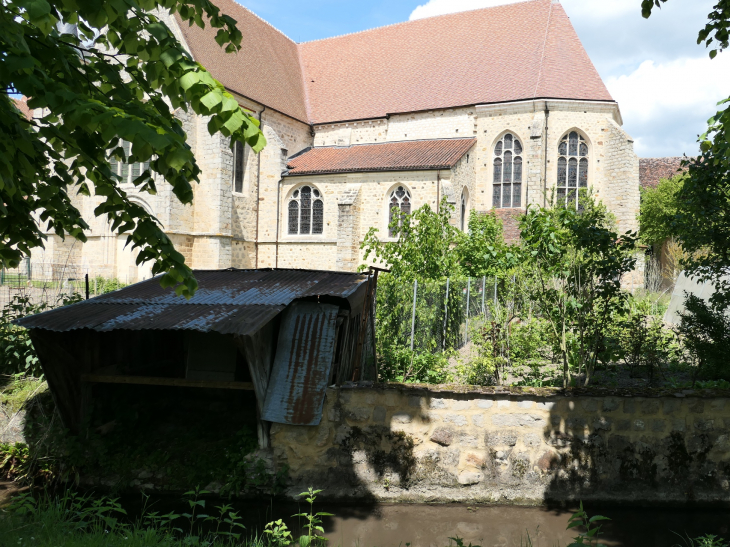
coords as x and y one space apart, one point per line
22 105
513 52
388 156
652 170
227 301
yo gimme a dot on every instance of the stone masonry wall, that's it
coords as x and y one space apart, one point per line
413 444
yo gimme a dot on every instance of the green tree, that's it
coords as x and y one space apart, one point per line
576 262
659 207
118 77
702 223
423 248
482 251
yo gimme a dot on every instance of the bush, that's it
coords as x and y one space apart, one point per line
704 329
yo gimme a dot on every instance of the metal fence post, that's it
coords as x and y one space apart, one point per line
446 315
484 290
413 316
468 290
495 292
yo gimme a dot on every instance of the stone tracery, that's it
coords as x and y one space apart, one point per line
507 180
306 212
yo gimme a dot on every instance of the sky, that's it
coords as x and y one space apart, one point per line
665 84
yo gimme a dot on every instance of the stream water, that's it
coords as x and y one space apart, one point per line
399 525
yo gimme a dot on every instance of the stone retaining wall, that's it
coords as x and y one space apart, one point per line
401 443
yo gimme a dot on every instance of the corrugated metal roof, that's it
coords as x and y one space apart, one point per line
302 365
227 301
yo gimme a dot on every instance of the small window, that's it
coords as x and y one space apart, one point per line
507 179
464 209
126 171
240 154
572 170
399 204
306 212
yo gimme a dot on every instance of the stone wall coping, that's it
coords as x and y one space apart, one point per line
535 392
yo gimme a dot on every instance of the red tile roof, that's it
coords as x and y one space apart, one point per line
504 53
22 105
652 170
267 68
389 156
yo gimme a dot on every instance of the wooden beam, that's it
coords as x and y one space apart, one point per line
153 381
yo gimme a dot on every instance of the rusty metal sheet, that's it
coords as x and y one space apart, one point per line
227 301
224 319
302 364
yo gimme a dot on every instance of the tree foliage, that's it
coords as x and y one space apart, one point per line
423 246
483 251
659 207
702 222
119 77
576 262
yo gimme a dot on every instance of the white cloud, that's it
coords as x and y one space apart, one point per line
664 82
657 96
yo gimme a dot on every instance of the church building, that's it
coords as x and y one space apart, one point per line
493 108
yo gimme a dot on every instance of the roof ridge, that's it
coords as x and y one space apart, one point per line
391 142
264 20
419 19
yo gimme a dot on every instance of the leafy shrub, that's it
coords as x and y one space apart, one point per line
403 365
704 329
104 285
643 343
17 354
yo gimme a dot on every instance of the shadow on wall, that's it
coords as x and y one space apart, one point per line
361 450
672 449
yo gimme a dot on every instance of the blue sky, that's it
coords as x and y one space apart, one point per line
664 82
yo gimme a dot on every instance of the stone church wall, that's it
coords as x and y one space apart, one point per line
511 446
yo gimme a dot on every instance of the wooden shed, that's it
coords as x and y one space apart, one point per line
281 336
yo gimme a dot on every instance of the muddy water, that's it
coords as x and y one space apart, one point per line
431 526
382 525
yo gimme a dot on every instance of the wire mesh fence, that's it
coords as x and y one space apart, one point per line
47 283
434 315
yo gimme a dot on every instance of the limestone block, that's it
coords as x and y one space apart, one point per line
457 419
671 405
402 418
650 406
470 477
379 413
478 420
358 414
485 403
443 436
525 404
696 406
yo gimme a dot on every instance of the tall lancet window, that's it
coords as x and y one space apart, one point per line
399 204
507 181
572 170
306 211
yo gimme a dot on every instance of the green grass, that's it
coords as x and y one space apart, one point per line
18 390
81 521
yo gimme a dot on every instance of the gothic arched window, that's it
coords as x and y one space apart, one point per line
507 181
572 169
399 204
306 211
